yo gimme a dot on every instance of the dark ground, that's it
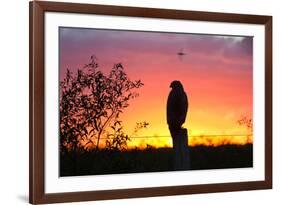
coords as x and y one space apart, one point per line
154 160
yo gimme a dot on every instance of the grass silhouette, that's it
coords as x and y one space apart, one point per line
153 160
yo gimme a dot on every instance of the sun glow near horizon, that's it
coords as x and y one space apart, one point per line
145 142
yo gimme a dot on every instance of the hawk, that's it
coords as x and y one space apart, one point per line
177 106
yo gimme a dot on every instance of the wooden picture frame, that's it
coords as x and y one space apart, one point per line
37 9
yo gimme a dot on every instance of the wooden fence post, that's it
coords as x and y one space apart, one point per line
181 151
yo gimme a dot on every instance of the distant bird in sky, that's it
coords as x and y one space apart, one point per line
181 54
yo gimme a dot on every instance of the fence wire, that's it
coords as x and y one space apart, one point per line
189 136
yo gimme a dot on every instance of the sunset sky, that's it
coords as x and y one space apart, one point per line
216 73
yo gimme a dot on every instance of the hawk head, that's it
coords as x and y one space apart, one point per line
176 85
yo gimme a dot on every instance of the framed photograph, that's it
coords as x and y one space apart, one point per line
140 102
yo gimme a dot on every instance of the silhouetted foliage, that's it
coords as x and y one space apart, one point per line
90 103
246 121
116 138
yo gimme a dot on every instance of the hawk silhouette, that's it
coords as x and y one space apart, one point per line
177 106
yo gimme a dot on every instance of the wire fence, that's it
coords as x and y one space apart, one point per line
190 136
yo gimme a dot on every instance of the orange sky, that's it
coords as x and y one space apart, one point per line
216 73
